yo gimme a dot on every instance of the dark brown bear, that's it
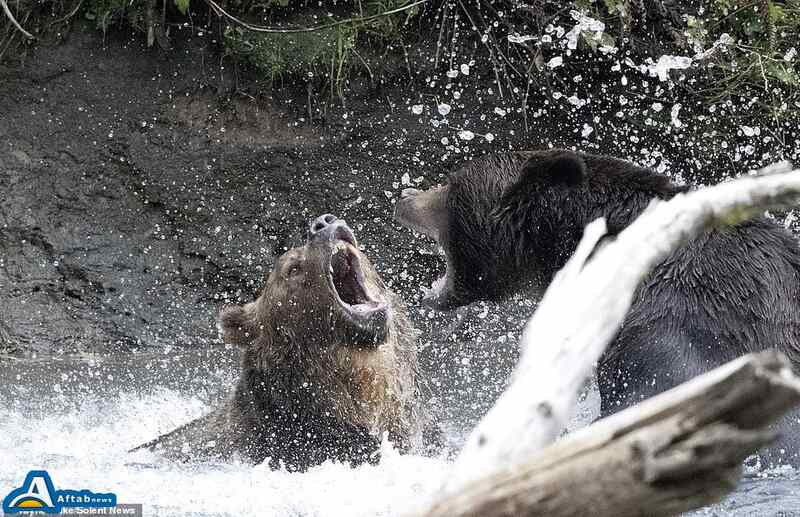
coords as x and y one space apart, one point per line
328 365
510 221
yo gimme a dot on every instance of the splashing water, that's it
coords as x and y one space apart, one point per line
80 430
77 418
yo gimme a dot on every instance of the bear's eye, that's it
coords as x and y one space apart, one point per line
294 269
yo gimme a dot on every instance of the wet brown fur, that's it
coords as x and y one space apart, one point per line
310 388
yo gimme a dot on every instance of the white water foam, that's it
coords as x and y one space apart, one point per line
78 419
85 446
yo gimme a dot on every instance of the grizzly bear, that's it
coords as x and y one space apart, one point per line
509 222
328 365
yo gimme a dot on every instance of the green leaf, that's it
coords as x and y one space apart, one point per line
782 73
616 7
182 5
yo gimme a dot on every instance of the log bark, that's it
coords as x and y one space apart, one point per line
672 453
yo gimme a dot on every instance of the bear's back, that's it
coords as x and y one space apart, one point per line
731 291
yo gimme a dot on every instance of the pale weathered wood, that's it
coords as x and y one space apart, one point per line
674 452
668 454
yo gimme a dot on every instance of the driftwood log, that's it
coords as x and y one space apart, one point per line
677 451
674 452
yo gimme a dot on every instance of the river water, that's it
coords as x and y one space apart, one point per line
77 417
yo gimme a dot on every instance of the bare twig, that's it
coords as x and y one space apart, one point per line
294 30
443 10
68 15
13 20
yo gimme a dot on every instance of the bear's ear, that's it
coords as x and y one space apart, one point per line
559 168
543 169
236 326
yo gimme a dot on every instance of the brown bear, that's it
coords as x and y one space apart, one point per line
508 222
328 365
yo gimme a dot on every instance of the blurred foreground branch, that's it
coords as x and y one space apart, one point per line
674 452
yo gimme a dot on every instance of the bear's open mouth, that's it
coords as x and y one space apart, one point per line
437 294
347 282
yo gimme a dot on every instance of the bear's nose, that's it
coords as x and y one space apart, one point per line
321 223
328 228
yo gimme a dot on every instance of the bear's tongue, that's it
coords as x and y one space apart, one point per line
344 266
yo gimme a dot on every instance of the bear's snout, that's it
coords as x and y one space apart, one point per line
328 228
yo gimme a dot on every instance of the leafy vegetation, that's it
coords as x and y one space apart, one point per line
108 13
724 49
761 47
331 52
